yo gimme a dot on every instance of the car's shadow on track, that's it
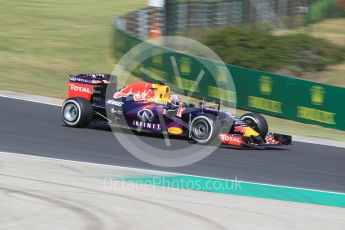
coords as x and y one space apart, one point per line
108 128
255 148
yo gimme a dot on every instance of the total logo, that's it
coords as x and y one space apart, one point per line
230 139
76 88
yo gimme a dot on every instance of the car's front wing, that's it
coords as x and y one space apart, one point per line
271 140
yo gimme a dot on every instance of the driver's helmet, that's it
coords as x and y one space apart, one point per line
175 99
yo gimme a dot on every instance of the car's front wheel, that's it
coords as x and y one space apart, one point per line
205 130
256 122
76 112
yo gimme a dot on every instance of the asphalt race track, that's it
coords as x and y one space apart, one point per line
36 129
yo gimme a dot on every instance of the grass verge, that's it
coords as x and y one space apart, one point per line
43 41
334 31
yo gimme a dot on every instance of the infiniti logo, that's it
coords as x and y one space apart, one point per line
146 115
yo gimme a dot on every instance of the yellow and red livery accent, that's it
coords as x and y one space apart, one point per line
143 91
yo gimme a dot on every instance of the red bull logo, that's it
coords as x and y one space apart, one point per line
139 90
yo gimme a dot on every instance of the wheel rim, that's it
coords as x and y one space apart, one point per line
201 129
70 112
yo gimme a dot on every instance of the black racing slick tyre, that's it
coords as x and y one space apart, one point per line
76 112
256 122
205 129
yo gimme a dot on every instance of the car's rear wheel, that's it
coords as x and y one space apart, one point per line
205 130
76 112
256 122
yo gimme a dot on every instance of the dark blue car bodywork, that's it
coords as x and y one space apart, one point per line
162 117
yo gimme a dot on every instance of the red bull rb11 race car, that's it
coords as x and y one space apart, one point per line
150 107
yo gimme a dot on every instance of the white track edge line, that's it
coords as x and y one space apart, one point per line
157 171
23 98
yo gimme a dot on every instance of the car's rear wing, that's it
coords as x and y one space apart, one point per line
90 86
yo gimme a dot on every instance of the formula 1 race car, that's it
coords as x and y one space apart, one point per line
149 107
